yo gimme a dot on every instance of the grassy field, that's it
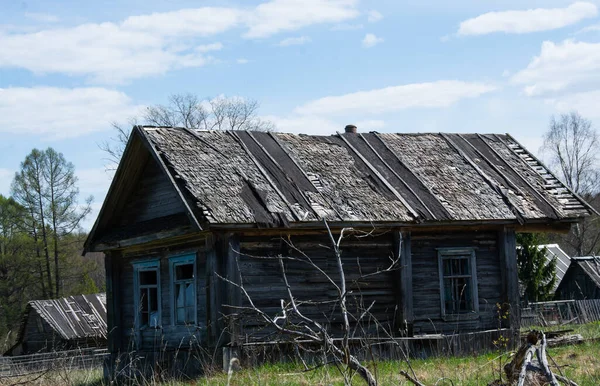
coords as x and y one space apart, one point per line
580 363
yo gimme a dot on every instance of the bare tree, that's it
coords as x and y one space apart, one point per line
188 110
571 146
293 322
46 187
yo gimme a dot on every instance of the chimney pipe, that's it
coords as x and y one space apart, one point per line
350 129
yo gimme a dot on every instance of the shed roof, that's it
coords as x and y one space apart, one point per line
277 178
563 261
590 265
74 317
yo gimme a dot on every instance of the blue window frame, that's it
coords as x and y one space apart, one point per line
146 282
182 271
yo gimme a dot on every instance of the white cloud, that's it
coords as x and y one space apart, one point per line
54 113
370 40
209 47
289 15
374 16
6 177
570 65
370 125
531 20
347 27
147 45
294 41
305 124
586 103
42 17
242 61
428 95
589 28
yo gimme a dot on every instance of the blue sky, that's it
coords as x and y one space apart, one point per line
69 68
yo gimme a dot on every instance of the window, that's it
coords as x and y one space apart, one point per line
183 289
147 293
458 281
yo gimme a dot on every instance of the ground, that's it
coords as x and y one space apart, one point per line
578 362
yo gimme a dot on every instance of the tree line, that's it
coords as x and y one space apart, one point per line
41 239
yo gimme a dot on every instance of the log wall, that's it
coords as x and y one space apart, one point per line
426 282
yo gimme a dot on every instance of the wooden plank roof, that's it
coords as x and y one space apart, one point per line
74 317
274 179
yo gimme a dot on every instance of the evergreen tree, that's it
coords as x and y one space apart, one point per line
536 274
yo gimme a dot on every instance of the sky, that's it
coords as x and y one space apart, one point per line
69 68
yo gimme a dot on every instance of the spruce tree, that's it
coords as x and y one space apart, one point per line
536 274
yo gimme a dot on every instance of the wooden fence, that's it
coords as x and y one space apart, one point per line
561 312
89 358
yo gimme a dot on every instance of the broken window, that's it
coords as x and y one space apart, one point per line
458 281
183 279
147 290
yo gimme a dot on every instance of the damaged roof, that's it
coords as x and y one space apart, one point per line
74 317
591 267
274 179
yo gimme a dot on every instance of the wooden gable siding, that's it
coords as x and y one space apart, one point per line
577 285
263 280
36 339
153 197
426 280
168 336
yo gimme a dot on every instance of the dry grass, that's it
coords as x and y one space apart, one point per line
580 363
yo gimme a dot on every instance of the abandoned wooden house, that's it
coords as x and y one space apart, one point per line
193 215
62 324
582 280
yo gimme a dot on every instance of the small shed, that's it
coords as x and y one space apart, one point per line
61 324
582 279
193 215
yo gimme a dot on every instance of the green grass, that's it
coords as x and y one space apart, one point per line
580 363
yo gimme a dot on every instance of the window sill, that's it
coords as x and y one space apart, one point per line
461 317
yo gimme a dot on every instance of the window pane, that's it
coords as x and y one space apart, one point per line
189 317
189 295
148 277
179 295
153 293
447 267
180 315
144 299
184 271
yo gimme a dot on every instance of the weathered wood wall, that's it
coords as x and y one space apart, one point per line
153 197
577 285
262 278
35 339
426 282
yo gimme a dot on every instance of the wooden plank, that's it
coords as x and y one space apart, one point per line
234 296
581 200
505 197
265 174
397 176
212 291
113 306
508 258
531 187
414 175
381 178
406 282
